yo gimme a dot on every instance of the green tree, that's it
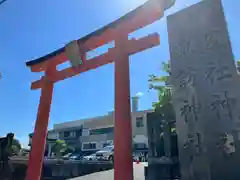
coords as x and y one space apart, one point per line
238 65
59 148
16 147
162 85
69 149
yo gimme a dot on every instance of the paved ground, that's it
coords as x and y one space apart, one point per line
108 175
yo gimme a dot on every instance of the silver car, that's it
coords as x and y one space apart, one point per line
106 154
91 157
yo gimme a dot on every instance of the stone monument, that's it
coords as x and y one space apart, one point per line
206 93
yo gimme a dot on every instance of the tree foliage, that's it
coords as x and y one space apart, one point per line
16 147
238 65
59 147
162 86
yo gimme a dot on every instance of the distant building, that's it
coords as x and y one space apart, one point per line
93 134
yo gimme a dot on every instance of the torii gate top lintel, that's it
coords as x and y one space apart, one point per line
140 17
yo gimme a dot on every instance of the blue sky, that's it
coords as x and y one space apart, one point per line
30 29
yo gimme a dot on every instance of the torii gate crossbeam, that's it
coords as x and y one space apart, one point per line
118 31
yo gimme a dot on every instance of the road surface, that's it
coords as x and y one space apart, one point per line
108 175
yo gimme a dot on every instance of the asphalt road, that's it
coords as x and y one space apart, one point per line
108 175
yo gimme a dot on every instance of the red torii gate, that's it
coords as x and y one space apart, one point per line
118 31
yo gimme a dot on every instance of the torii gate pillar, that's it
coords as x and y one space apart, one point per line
123 132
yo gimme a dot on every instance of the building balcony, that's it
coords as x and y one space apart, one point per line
69 138
97 137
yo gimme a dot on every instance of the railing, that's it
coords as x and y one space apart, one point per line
97 138
16 168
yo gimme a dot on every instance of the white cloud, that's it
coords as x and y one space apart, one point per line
139 94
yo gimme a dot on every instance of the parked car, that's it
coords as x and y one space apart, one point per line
107 153
90 157
76 156
67 156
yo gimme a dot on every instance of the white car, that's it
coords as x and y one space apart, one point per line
107 153
90 157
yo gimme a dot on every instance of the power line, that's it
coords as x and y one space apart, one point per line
3 1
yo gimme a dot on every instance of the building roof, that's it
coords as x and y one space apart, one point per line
94 122
79 123
100 122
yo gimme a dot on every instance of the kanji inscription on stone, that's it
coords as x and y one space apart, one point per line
206 91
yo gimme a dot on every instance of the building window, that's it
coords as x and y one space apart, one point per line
139 122
89 146
72 134
66 134
53 135
85 132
